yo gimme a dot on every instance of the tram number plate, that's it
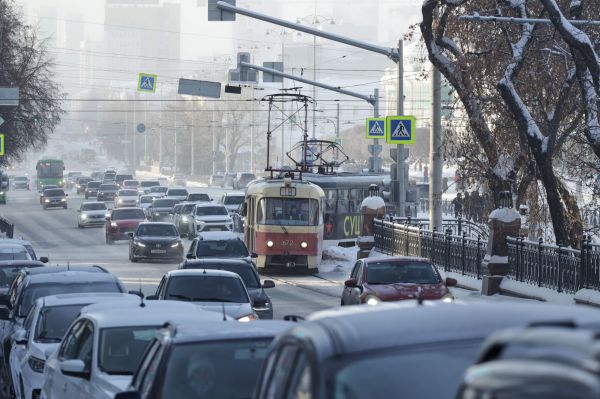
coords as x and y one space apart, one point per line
287 191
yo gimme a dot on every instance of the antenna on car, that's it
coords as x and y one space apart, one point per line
142 304
223 310
204 272
68 266
419 296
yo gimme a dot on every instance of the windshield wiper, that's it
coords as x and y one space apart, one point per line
184 297
48 339
213 300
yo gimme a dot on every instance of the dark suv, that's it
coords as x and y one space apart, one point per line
31 284
120 178
107 192
91 189
54 198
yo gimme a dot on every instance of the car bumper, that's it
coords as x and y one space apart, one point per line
106 197
120 234
54 204
264 313
32 383
92 221
126 204
151 252
213 227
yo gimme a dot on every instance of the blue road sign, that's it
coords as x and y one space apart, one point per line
146 83
375 128
400 129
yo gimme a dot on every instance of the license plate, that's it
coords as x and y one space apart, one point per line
158 251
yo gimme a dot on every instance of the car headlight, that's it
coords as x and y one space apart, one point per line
83 216
140 244
184 219
63 200
46 200
372 300
304 244
36 364
270 244
175 245
448 298
113 224
60 182
247 318
120 201
156 214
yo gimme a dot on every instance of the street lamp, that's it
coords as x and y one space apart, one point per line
315 20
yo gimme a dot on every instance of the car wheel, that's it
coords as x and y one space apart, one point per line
109 240
65 207
86 196
79 225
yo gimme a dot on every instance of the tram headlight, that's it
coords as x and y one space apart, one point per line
270 244
304 244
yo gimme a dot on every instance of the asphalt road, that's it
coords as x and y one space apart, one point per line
54 233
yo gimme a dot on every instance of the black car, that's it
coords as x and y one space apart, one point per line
145 185
54 198
107 192
218 244
81 184
406 349
162 209
91 189
261 302
31 284
198 197
190 362
155 241
9 270
120 178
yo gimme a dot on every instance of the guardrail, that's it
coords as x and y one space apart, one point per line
456 253
458 226
6 227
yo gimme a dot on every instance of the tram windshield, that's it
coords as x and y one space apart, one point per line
288 211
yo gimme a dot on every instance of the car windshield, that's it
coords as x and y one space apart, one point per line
149 183
157 230
20 178
84 181
244 271
131 183
128 214
123 177
198 197
203 369
14 253
177 209
93 184
127 193
187 209
222 249
54 321
401 272
211 211
233 199
431 372
8 274
207 289
146 200
177 192
120 348
158 189
165 203
33 292
54 192
96 206
288 211
109 187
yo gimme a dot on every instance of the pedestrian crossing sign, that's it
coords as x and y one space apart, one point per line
1 145
400 129
146 83
375 128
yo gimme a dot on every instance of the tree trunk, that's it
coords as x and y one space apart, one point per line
558 214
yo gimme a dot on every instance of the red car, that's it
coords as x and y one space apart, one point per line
121 222
376 280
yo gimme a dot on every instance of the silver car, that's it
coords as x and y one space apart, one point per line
91 214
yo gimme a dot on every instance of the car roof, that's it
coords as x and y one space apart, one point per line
86 298
202 272
216 262
407 324
152 313
13 245
127 208
218 236
234 194
189 332
21 263
154 223
396 259
69 276
208 205
92 202
15 240
177 188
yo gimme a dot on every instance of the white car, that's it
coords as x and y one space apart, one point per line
177 192
44 327
91 214
232 200
126 198
210 217
145 202
101 349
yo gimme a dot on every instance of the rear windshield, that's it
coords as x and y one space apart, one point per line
158 189
198 197
97 206
207 289
54 321
107 187
131 183
149 183
93 184
54 192
211 211
33 292
127 193
187 209
8 274
233 199
124 214
146 200
120 348
177 192
20 178
222 249
244 271
164 203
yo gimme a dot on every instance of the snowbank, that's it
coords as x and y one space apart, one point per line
373 202
505 215
587 296
339 261
534 292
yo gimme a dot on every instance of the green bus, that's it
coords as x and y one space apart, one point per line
50 171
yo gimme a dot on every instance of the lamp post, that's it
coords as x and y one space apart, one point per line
282 32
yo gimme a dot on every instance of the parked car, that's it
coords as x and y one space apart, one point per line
21 182
47 323
145 186
198 363
126 198
91 189
91 214
54 198
216 181
122 221
176 192
418 350
375 280
261 302
209 217
198 197
155 241
161 209
107 192
232 200
213 290
101 349
241 180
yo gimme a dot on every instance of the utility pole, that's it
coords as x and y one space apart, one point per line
160 131
314 118
192 140
374 167
251 133
175 145
400 162
435 154
283 33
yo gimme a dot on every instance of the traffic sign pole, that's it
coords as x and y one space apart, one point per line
400 165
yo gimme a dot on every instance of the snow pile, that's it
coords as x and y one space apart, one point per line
495 259
373 203
340 253
506 215
337 262
587 296
535 292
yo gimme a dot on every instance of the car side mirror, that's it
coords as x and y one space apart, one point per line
107 218
152 297
78 210
268 284
350 283
254 255
130 234
66 195
451 282
20 337
44 259
128 395
74 368
190 256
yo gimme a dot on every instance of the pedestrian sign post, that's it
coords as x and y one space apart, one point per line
375 128
146 83
400 129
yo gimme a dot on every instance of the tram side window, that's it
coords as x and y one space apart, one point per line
343 203
330 200
355 198
288 211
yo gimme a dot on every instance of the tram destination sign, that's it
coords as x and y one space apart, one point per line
287 191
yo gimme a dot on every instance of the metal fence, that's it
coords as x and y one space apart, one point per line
458 226
6 227
456 253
